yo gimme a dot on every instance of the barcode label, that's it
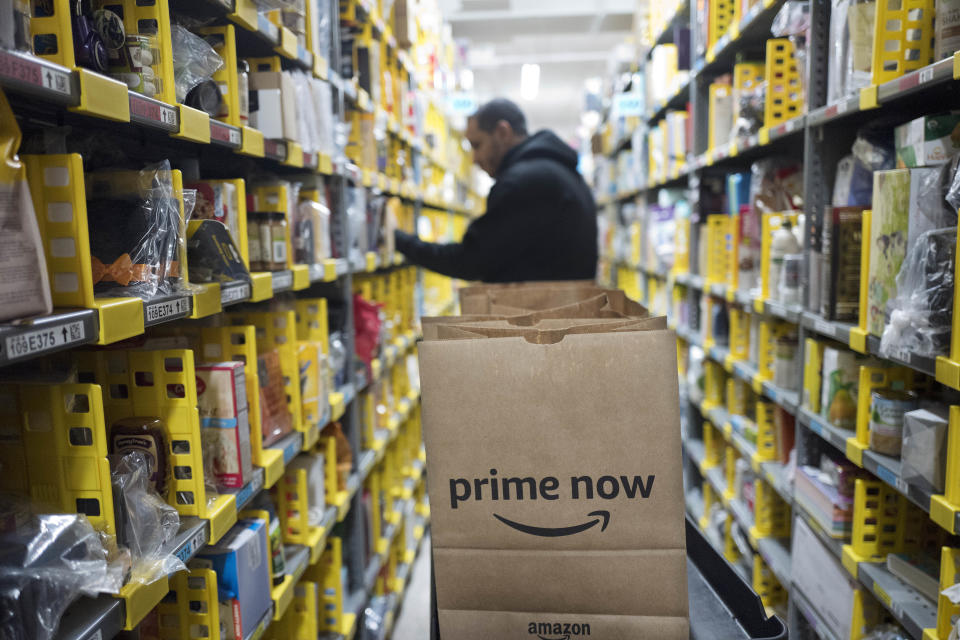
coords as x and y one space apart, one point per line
166 310
40 340
193 545
151 110
230 295
32 72
282 280
926 74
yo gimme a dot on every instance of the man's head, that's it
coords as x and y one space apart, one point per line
493 130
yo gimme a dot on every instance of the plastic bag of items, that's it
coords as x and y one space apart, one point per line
137 235
146 525
851 35
48 561
921 313
194 63
872 151
886 632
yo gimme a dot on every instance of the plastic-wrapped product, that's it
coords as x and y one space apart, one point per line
921 312
48 560
323 101
194 62
136 232
145 523
776 185
15 25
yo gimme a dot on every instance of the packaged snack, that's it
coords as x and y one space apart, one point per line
841 377
222 400
275 414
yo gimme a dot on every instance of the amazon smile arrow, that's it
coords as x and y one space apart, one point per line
557 532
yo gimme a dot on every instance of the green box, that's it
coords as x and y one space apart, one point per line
928 140
889 224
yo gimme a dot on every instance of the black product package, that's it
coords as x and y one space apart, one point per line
211 254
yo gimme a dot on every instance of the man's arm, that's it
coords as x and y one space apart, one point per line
490 241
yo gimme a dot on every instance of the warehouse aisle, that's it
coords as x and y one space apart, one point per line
414 620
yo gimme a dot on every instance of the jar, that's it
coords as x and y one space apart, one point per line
886 419
278 240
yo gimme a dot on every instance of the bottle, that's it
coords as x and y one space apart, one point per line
147 435
784 242
278 558
243 89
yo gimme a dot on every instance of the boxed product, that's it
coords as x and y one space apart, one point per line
241 560
218 200
822 579
924 451
928 140
946 36
888 242
840 378
840 263
285 111
275 418
266 112
830 505
222 400
24 283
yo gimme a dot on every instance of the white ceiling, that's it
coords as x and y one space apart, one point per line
571 40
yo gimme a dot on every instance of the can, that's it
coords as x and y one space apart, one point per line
886 419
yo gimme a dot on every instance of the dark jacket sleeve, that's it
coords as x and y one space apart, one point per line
492 240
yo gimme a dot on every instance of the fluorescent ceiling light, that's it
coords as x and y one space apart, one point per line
529 81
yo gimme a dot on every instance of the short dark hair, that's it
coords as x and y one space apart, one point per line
489 114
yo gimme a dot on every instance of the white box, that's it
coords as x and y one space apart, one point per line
266 112
822 579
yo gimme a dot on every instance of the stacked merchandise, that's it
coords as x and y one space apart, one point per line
181 335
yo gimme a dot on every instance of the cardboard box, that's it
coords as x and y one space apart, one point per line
928 140
222 400
555 482
241 559
278 80
888 242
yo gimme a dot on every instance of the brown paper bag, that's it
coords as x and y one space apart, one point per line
534 297
554 476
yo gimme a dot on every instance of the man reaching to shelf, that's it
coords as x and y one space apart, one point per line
541 220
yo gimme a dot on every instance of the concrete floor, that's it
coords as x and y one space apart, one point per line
414 620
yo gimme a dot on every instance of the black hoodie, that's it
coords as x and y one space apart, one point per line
540 224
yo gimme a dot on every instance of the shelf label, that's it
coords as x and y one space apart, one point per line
166 310
33 72
925 75
152 110
229 295
40 340
191 546
282 280
225 133
276 149
824 327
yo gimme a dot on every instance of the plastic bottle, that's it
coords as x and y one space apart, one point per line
784 242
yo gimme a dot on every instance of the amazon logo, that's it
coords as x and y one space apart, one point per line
496 488
557 630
